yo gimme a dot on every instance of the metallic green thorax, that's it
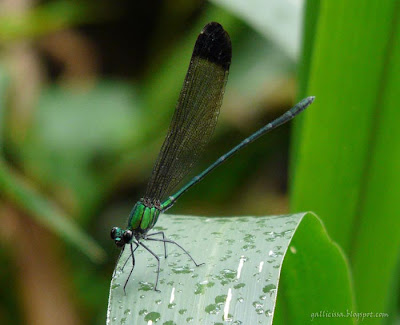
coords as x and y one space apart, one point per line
143 217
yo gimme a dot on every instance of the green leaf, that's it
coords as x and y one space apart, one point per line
315 278
73 120
240 280
347 168
376 245
75 137
17 190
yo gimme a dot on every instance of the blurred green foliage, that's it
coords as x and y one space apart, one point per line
87 89
79 147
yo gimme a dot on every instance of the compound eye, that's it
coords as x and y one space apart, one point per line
127 236
114 232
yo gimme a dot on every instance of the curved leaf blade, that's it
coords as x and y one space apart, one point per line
240 279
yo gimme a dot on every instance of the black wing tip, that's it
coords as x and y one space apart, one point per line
213 44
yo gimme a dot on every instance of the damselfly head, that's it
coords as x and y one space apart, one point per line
120 236
117 235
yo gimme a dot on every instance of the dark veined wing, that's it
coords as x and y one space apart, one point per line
196 113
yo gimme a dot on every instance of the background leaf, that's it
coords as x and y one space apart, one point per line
349 144
46 213
263 16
